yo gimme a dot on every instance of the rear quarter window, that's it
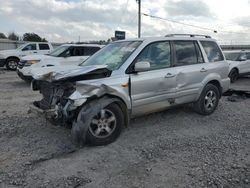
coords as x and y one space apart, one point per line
212 50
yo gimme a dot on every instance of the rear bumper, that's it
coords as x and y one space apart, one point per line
2 62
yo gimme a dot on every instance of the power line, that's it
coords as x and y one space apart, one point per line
125 9
169 20
199 27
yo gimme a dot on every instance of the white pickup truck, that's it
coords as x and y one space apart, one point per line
64 55
10 58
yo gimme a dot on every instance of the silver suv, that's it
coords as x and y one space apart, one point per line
130 78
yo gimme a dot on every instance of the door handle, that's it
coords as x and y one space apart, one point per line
203 70
169 75
34 52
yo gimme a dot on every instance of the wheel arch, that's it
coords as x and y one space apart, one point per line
214 79
234 68
117 100
14 57
217 84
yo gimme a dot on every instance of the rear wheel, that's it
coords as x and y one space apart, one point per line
11 63
233 75
208 100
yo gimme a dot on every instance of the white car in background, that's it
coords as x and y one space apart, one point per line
65 55
10 58
239 63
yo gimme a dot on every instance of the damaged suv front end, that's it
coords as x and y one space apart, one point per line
61 99
66 90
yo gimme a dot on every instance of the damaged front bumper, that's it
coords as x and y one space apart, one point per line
49 113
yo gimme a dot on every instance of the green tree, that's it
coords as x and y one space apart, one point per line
33 37
13 36
3 36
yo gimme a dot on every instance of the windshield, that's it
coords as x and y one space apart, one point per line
233 56
58 51
113 55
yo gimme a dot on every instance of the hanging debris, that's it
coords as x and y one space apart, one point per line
237 95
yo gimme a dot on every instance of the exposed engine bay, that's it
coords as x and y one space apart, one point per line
55 102
60 100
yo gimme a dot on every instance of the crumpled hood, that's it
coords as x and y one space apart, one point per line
58 73
37 57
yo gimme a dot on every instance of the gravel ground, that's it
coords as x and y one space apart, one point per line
174 148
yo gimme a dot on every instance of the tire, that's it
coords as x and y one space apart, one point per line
208 100
97 124
233 75
11 64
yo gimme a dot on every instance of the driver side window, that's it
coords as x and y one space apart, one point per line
29 47
158 54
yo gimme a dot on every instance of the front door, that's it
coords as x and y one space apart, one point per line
30 49
154 89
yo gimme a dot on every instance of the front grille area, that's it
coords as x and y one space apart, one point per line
21 64
54 94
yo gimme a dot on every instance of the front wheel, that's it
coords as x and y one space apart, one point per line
98 125
233 75
11 64
208 100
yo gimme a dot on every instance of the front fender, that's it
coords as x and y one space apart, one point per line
88 91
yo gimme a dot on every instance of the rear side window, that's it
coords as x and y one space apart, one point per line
212 50
90 50
83 51
77 51
187 53
158 54
43 46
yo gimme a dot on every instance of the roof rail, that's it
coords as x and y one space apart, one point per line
190 35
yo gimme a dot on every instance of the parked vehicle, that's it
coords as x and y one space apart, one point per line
65 55
129 78
10 58
239 63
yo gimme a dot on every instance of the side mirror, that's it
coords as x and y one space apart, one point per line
142 66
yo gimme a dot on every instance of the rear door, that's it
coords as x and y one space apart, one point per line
90 50
44 48
154 89
75 55
191 70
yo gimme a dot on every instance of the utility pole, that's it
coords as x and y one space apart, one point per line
139 18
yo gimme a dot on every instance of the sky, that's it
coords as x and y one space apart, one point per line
67 20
